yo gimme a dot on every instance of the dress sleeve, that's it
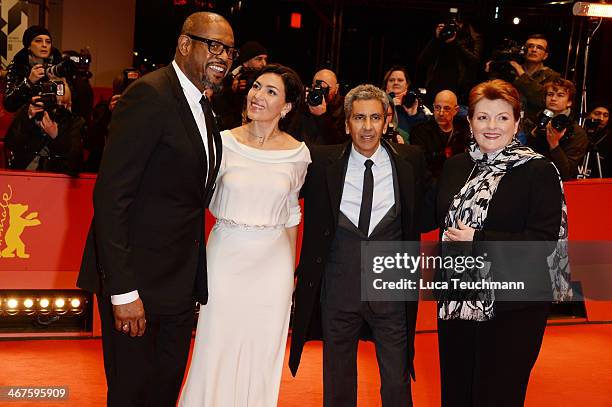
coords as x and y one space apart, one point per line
295 212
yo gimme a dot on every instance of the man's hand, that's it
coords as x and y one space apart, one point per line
318 110
34 107
130 318
463 234
49 126
553 136
412 110
113 102
517 67
36 73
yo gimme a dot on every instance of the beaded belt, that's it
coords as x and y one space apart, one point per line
234 225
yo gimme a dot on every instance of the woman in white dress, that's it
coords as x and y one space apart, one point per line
242 330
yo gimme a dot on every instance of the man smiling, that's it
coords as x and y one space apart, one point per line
363 190
145 256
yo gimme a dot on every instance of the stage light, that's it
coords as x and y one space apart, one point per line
28 303
516 21
75 303
44 303
12 303
135 53
60 302
585 9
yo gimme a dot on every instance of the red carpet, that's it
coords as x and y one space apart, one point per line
574 369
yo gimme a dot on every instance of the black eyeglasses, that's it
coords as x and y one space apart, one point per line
216 47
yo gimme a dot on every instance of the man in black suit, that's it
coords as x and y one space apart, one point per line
362 190
145 254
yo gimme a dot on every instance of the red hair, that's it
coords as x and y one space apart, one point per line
494 90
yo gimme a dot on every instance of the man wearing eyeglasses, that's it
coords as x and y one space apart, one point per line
145 254
443 136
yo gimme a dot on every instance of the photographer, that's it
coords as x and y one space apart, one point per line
409 108
321 119
28 67
83 96
45 135
600 141
531 76
451 59
555 134
228 104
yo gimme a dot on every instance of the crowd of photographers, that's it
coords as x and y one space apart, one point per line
57 128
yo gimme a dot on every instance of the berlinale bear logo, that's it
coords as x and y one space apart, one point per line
17 222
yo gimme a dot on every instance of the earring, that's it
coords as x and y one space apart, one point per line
283 114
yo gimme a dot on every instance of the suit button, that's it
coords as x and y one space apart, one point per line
326 233
319 260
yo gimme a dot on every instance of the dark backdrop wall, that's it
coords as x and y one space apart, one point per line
373 35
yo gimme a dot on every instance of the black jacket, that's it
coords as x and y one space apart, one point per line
18 89
25 139
322 192
149 200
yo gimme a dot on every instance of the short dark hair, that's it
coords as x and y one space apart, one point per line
395 68
538 36
294 90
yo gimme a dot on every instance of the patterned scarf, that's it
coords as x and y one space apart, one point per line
471 206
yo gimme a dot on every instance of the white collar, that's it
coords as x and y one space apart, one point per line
360 159
191 91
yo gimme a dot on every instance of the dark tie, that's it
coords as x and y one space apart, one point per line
211 127
366 198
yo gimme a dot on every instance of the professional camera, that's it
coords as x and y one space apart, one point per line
509 50
129 76
317 94
48 92
412 96
558 122
391 134
449 29
591 125
65 69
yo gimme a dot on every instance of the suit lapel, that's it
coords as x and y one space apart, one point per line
336 172
405 179
189 123
210 185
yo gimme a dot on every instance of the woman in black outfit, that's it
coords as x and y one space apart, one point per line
498 191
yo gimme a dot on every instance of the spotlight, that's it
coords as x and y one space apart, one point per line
516 21
75 303
44 303
59 303
12 303
585 9
28 303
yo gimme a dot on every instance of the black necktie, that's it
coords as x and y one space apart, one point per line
210 128
365 212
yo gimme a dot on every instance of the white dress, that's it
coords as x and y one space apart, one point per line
242 331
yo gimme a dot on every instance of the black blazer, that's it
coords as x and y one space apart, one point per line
322 192
149 200
525 207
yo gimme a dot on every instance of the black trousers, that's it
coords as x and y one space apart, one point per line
487 364
146 370
341 332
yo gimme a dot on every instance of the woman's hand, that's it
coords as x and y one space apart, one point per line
36 73
463 234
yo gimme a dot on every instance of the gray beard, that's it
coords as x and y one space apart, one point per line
215 87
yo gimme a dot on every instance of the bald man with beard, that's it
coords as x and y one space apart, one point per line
444 135
324 123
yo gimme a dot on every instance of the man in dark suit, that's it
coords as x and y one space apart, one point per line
145 254
362 190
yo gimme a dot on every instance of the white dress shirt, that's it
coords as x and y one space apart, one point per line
193 96
384 196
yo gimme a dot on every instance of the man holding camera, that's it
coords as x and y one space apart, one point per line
600 142
321 121
556 135
28 67
45 135
443 136
451 59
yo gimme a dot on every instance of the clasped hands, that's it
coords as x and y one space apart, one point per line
463 233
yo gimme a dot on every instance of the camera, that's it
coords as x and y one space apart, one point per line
559 122
48 92
500 67
129 76
391 134
412 96
591 125
65 69
317 94
448 30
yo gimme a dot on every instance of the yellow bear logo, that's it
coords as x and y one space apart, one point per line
14 244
